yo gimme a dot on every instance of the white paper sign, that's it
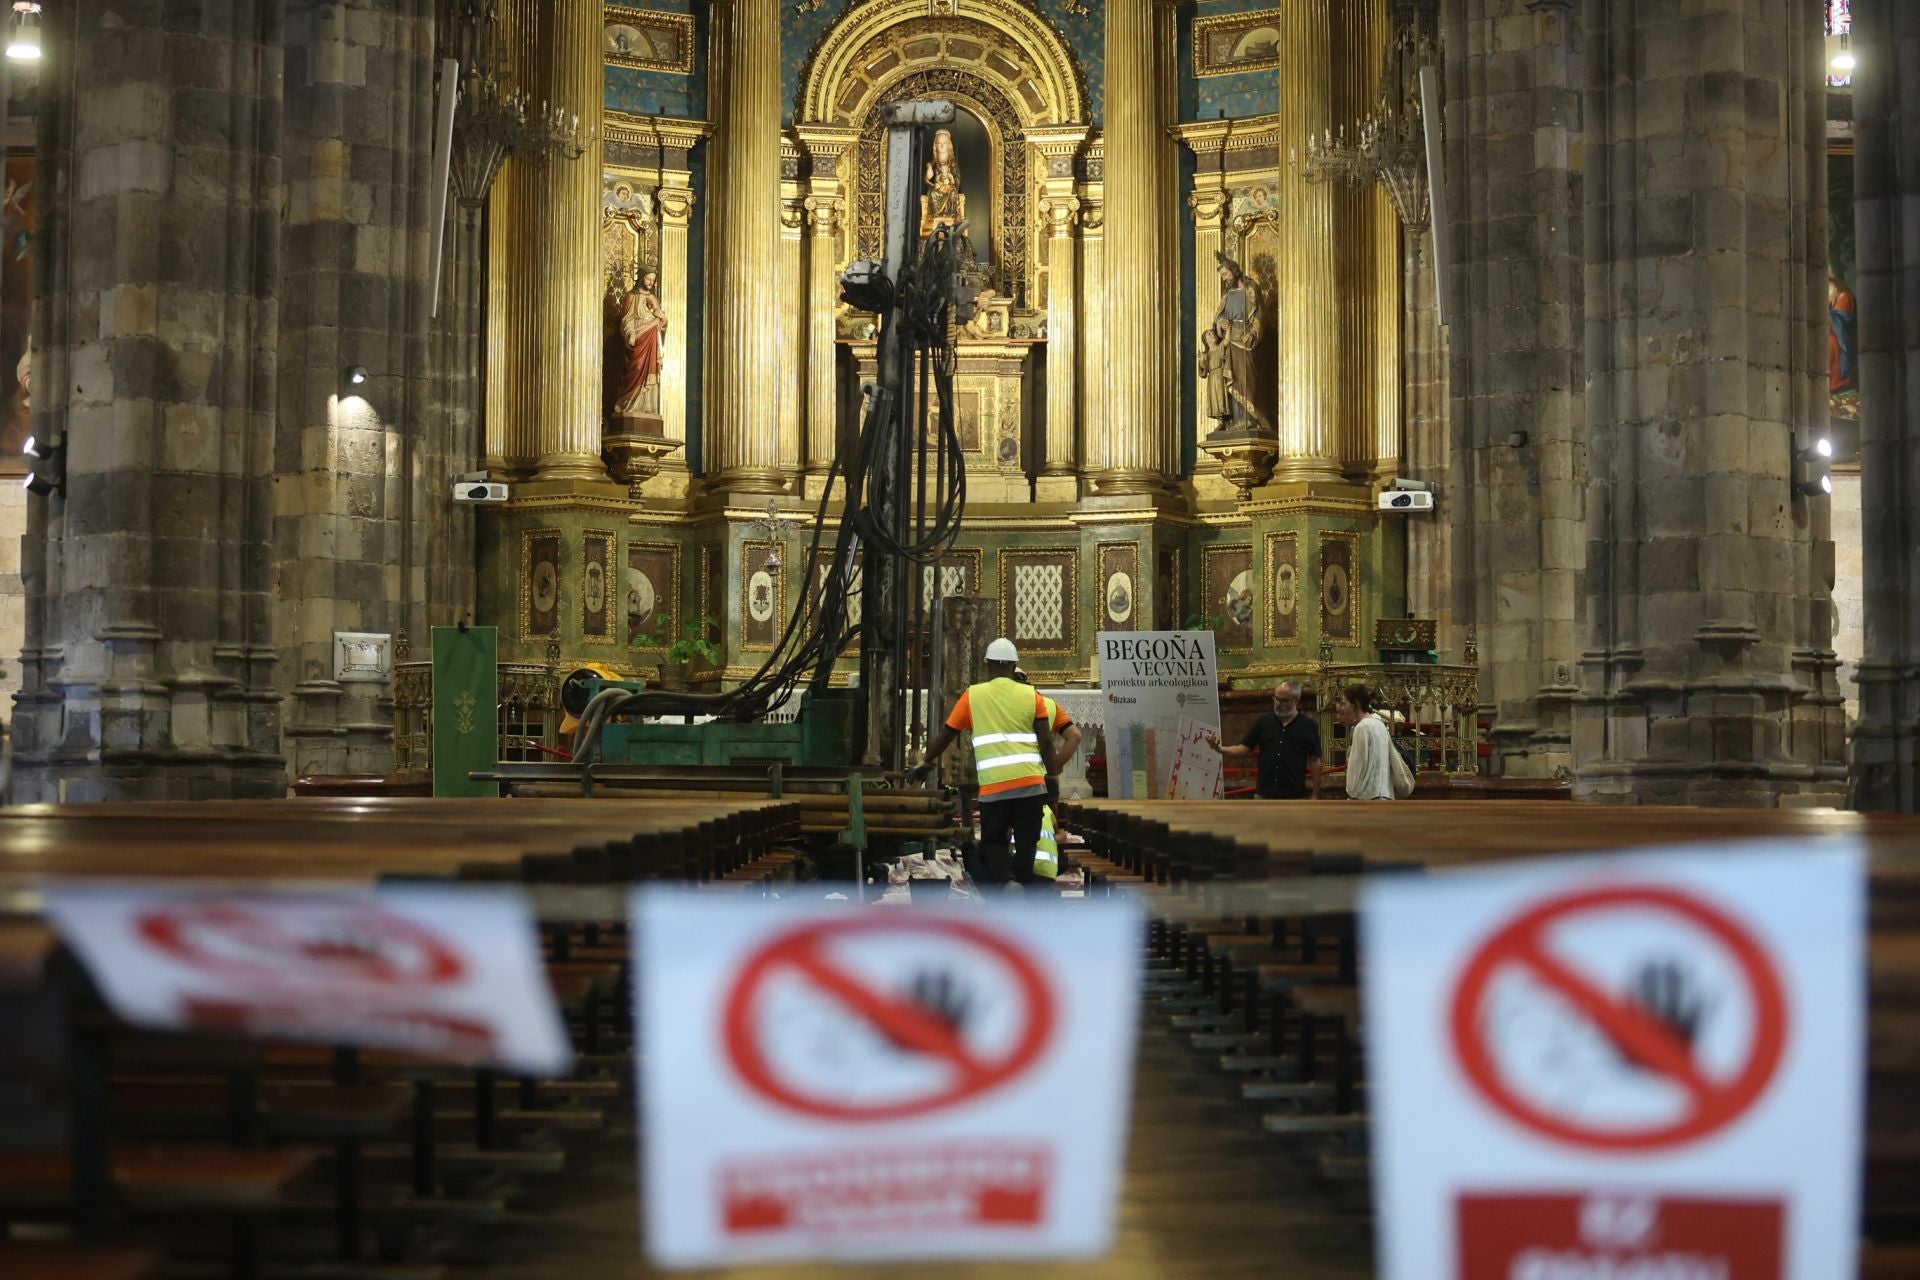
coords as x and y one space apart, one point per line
448 973
819 1081
1161 689
1640 1065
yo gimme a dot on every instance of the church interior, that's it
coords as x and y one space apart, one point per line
576 443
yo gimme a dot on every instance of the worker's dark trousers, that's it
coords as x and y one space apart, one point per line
1002 821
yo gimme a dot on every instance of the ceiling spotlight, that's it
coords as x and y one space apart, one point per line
356 374
23 41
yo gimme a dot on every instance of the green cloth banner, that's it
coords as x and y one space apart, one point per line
466 700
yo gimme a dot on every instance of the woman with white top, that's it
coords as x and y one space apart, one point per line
1369 747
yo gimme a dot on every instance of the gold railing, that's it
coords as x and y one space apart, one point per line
529 713
1432 708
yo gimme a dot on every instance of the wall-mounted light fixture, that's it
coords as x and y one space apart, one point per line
23 33
1813 468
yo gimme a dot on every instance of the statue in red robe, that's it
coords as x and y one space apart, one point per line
643 324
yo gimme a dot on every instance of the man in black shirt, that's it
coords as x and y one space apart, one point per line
1289 747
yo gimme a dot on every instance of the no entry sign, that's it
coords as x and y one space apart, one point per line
454 974
1588 1066
827 1081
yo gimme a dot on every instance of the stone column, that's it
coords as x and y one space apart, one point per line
570 341
1517 479
1132 455
149 661
826 205
791 316
1886 109
1310 299
1429 540
1093 334
1705 235
1055 149
746 452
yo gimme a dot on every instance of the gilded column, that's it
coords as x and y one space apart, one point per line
1208 204
1389 275
676 216
747 453
1093 312
499 304
569 341
513 269
1310 401
826 207
1056 148
1132 454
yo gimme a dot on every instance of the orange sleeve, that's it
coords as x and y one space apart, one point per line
961 717
1060 718
1039 705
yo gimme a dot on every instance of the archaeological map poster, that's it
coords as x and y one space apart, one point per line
1162 691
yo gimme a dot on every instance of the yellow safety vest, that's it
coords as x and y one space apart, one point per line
1046 854
1006 752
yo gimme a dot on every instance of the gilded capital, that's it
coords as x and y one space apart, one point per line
1062 212
676 205
1209 208
793 214
1093 215
824 213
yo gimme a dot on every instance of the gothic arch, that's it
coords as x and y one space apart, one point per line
1004 42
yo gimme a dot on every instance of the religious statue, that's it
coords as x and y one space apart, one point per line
944 203
1843 340
643 324
1216 377
1234 357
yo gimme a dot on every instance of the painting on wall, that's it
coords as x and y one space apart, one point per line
713 593
1038 595
1229 579
539 584
763 596
648 40
1167 603
1236 42
16 309
1119 585
1283 588
966 418
1339 588
822 567
596 587
653 588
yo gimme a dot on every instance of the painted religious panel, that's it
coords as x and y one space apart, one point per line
967 418
596 587
1283 588
539 584
1340 587
648 39
1038 601
1167 590
1119 585
16 309
1229 582
959 576
763 596
653 593
822 569
1236 42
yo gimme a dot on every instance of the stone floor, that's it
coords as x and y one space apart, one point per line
1207 1197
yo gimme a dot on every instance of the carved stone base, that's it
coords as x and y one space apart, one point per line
634 449
1246 461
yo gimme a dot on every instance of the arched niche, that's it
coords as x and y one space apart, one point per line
1001 62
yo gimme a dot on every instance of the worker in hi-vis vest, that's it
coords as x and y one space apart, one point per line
1046 856
1058 722
1012 756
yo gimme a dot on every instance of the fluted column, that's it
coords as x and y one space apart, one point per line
1055 149
746 452
676 216
1208 203
513 270
1142 296
569 340
1093 308
826 205
1309 302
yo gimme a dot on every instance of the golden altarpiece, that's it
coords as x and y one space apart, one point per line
1177 401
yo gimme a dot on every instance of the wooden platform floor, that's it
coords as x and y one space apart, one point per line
1207 1197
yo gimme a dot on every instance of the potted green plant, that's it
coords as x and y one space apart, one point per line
692 644
1201 622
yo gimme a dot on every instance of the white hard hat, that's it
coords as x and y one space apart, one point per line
1002 650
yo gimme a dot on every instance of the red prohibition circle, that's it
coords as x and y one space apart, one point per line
286 958
799 951
1715 1103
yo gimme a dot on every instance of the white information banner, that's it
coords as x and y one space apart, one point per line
820 1082
1162 691
1644 1065
446 973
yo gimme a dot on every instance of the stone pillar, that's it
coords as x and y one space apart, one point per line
1517 480
826 205
791 315
1133 455
1705 234
1055 149
149 662
1429 539
746 452
1093 270
1886 110
570 341
1310 299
